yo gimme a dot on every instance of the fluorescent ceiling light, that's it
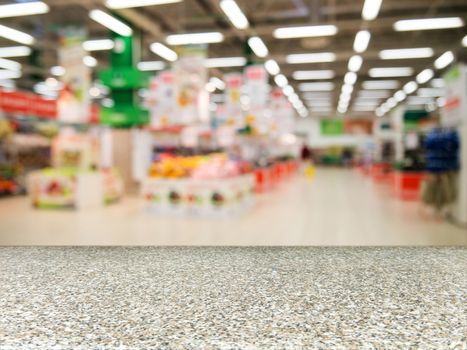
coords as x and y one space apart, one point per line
23 9
9 65
350 78
321 109
444 60
325 86
390 72
121 4
9 74
380 84
150 65
163 51
311 57
194 38
281 80
355 63
438 83
360 102
293 98
15 51
58 71
359 108
272 67
313 74
89 61
362 40
427 92
344 98
110 22
258 46
317 95
304 31
464 41
320 103
400 96
410 87
373 93
371 9
428 23
98 44
419 100
224 62
234 14
396 54
15 35
424 76
391 102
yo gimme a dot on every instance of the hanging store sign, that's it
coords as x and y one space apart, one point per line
25 103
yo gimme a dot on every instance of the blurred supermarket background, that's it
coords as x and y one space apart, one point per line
205 122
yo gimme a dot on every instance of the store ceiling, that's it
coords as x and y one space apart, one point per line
264 16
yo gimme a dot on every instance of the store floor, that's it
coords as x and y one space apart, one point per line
336 207
233 298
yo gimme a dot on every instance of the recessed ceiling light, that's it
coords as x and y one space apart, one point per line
410 87
390 72
350 78
281 80
362 40
313 74
428 24
305 31
444 60
400 96
58 71
234 14
89 61
195 38
424 76
121 4
311 57
355 63
347 89
272 67
395 54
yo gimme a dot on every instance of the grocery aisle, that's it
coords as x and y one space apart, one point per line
336 207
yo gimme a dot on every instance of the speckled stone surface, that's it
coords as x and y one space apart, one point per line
233 298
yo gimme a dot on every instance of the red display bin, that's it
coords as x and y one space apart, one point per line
407 185
380 172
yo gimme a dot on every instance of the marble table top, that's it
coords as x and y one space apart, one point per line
233 298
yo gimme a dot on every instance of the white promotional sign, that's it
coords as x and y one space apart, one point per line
73 102
161 100
233 108
455 109
257 89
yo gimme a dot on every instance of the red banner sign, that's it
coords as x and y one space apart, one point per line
27 103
